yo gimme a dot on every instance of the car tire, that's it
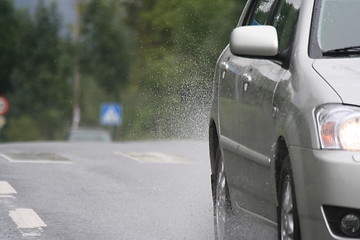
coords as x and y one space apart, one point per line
221 198
288 218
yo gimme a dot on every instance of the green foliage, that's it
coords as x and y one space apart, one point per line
92 97
41 88
105 55
154 56
179 42
23 128
9 43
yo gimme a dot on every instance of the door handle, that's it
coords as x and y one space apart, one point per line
224 68
247 80
225 65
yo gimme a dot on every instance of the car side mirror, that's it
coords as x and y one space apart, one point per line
254 41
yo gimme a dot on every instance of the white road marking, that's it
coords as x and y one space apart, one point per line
7 196
6 188
27 221
5 157
26 218
34 158
155 157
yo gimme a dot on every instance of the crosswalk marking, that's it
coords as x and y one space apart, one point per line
26 219
6 188
28 222
35 158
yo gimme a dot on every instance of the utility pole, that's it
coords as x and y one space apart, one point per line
77 76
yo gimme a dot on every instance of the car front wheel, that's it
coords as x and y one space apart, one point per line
220 198
288 220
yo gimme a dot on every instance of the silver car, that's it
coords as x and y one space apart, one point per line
285 121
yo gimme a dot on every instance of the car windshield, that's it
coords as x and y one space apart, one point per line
338 25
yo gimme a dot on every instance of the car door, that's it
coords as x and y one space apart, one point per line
236 111
250 175
231 74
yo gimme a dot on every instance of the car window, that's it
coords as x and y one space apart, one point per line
259 12
285 19
336 29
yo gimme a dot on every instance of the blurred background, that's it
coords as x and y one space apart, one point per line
145 66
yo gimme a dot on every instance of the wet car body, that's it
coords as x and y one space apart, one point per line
268 126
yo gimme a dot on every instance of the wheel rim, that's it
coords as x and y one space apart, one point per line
220 202
287 212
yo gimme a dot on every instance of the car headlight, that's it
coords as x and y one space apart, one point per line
339 127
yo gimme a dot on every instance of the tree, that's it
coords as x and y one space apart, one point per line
9 44
40 80
105 54
179 42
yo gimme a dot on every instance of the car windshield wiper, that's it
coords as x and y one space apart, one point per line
355 50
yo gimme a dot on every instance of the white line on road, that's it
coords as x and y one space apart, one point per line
35 158
6 196
6 188
155 157
28 222
26 218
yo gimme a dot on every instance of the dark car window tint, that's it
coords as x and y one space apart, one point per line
260 12
285 19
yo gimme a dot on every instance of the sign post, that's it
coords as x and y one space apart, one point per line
111 115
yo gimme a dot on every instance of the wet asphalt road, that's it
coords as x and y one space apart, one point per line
140 190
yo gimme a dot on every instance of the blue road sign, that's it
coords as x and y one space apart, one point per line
111 114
